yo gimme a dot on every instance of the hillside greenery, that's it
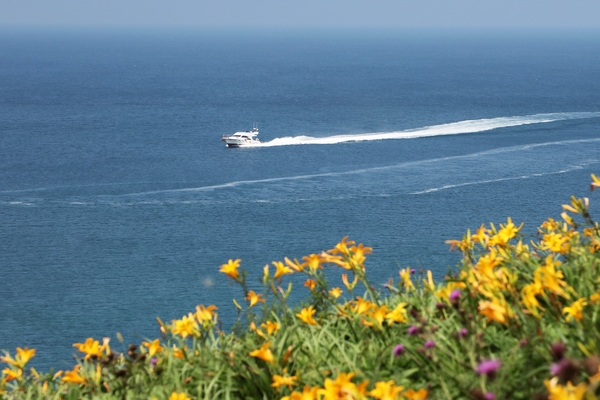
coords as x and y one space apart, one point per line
518 319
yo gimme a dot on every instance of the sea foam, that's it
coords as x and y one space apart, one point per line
454 128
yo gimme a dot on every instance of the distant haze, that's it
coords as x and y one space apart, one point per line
306 13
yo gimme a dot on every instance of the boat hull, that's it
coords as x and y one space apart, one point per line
241 143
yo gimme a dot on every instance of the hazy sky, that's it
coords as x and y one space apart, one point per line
304 13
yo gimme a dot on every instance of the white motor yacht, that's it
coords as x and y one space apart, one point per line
242 139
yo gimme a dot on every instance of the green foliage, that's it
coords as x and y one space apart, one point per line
518 321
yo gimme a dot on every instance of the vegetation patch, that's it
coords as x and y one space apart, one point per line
519 320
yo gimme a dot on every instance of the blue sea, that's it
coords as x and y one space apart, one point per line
119 202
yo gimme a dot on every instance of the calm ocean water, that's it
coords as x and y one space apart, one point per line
118 201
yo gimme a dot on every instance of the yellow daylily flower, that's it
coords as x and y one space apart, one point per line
253 328
91 348
429 285
264 353
335 292
550 278
463 245
186 326
575 310
21 358
153 347
595 182
568 392
481 235
528 298
294 265
313 262
342 388
486 264
231 268
505 234
357 256
342 246
336 259
281 269
398 314
24 355
179 353
271 327
307 394
306 315
405 276
9 360
279 381
179 396
495 310
556 242
386 391
444 292
362 306
378 315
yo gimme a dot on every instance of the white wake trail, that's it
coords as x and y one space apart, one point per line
454 128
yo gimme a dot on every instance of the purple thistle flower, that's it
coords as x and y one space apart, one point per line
455 295
565 369
398 350
413 330
429 344
153 361
413 271
488 367
556 368
558 350
463 332
489 396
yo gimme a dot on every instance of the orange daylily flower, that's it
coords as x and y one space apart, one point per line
420 394
349 286
206 314
12 374
310 283
254 298
73 376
